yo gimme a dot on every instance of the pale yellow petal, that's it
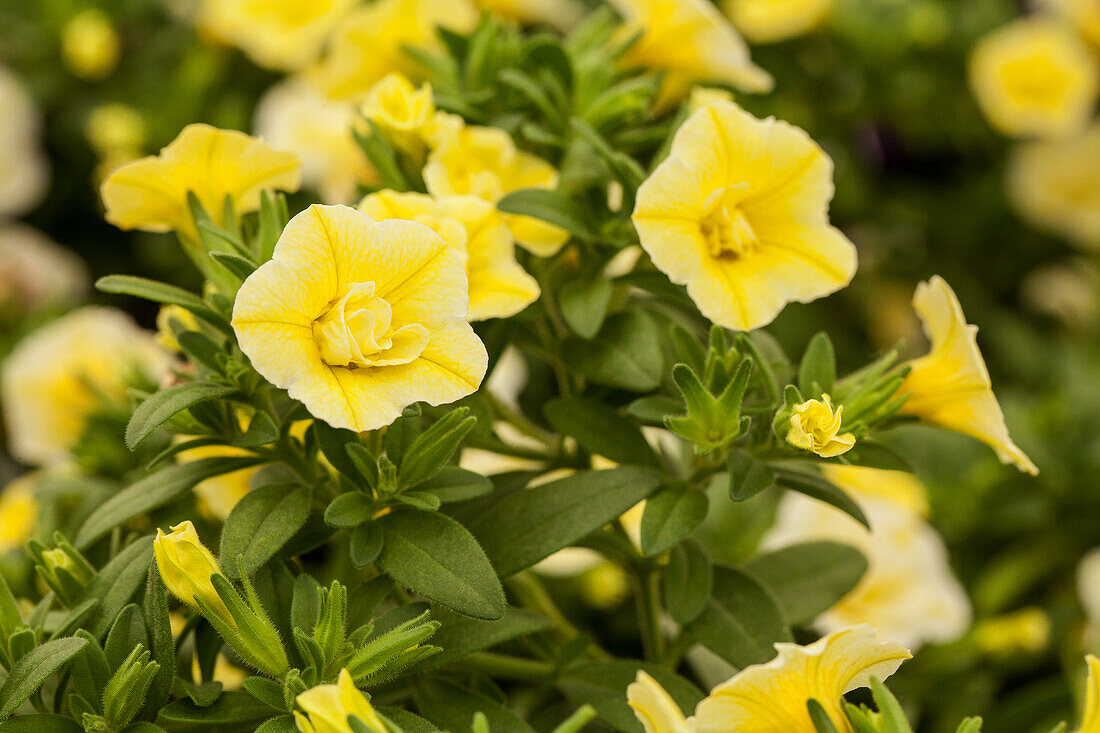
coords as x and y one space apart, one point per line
1090 720
655 708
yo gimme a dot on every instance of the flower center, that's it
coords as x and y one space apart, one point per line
726 229
357 330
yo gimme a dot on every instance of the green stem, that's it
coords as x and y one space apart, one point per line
649 614
507 667
532 595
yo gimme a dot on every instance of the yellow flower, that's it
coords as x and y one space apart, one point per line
691 42
18 512
277 34
186 567
115 127
1084 14
371 42
1026 630
950 387
57 376
816 427
401 111
358 319
499 287
328 707
35 271
24 168
1056 185
294 116
898 487
738 213
772 697
562 14
484 162
151 193
89 44
168 313
1034 77
765 21
1090 719
218 495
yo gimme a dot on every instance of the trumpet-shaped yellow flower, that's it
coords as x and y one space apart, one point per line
358 319
950 387
401 111
484 162
56 377
1056 184
562 14
151 193
738 213
1090 720
474 229
89 44
772 697
815 427
371 41
328 707
1034 77
1084 14
765 21
691 41
186 567
18 512
277 34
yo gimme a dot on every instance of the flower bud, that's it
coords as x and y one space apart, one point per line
186 567
327 708
814 426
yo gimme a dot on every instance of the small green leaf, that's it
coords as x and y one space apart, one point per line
599 429
820 718
260 524
626 354
28 674
163 405
549 206
236 265
748 476
584 305
817 372
688 581
808 578
742 621
161 293
434 447
670 516
366 544
349 510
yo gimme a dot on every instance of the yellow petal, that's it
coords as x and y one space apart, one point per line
277 34
655 708
1090 720
767 21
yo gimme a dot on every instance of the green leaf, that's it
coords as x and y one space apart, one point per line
817 372
161 641
816 487
584 305
438 558
332 442
262 430
163 405
260 524
28 674
602 685
748 476
280 724
381 156
688 581
891 715
808 578
599 429
152 492
41 723
366 544
236 265
161 293
434 446
118 581
526 526
820 718
452 707
349 510
232 711
126 632
742 621
549 206
454 484
460 635
873 454
626 354
408 722
670 516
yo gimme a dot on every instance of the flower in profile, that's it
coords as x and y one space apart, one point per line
89 44
358 319
24 168
562 14
284 35
950 386
58 376
401 111
766 21
1034 77
186 567
815 426
773 697
474 229
738 213
295 117
691 41
1056 184
484 162
18 512
151 193
328 707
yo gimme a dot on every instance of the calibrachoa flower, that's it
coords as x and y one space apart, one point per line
474 229
186 566
401 111
562 14
1056 184
815 426
277 34
950 387
151 193
328 707
1084 14
24 169
691 41
772 697
18 512
358 319
59 375
738 213
765 21
1034 77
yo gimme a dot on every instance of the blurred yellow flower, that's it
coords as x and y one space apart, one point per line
358 319
89 44
815 427
371 41
401 111
24 168
328 707
36 272
1084 14
114 126
1056 184
295 117
1034 77
1090 719
18 512
691 41
151 193
57 376
484 162
738 213
772 697
278 34
1024 631
218 495
562 14
186 567
165 316
474 229
765 21
898 487
950 387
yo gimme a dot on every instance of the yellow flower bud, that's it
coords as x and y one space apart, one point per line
18 512
327 708
186 567
58 559
814 427
89 45
400 110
